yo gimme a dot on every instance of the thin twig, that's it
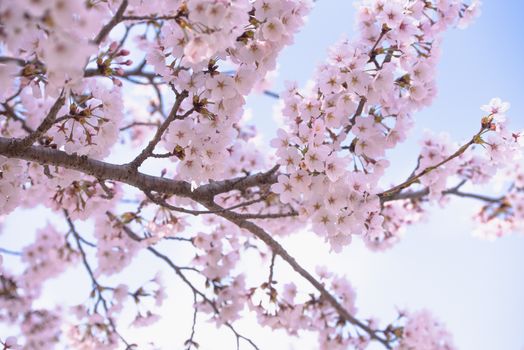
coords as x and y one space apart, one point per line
268 216
413 179
271 268
182 276
163 203
133 124
190 342
10 252
148 150
10 113
46 124
97 287
420 194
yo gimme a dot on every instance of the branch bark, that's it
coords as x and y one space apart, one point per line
123 173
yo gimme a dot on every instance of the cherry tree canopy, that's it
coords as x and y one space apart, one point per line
69 70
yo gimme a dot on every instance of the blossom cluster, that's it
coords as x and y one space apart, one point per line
217 52
503 215
287 309
422 331
53 38
336 134
11 171
46 258
90 122
115 249
66 82
40 328
216 261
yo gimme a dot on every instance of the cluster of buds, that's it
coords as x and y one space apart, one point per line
34 69
487 123
110 62
77 194
83 112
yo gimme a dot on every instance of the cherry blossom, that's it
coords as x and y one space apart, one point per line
127 121
422 331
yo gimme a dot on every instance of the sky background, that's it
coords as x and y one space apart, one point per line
475 287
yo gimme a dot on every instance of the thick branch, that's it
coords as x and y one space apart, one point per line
240 183
202 194
96 168
122 173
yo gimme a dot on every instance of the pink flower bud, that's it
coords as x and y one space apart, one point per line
117 82
113 46
123 52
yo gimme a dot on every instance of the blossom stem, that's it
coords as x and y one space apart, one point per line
395 190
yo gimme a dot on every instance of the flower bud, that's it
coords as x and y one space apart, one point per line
113 46
117 82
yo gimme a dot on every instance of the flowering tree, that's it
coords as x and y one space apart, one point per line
66 107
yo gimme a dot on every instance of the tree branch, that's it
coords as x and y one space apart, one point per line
420 194
98 169
268 215
46 124
122 173
393 191
104 32
146 152
10 252
97 287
